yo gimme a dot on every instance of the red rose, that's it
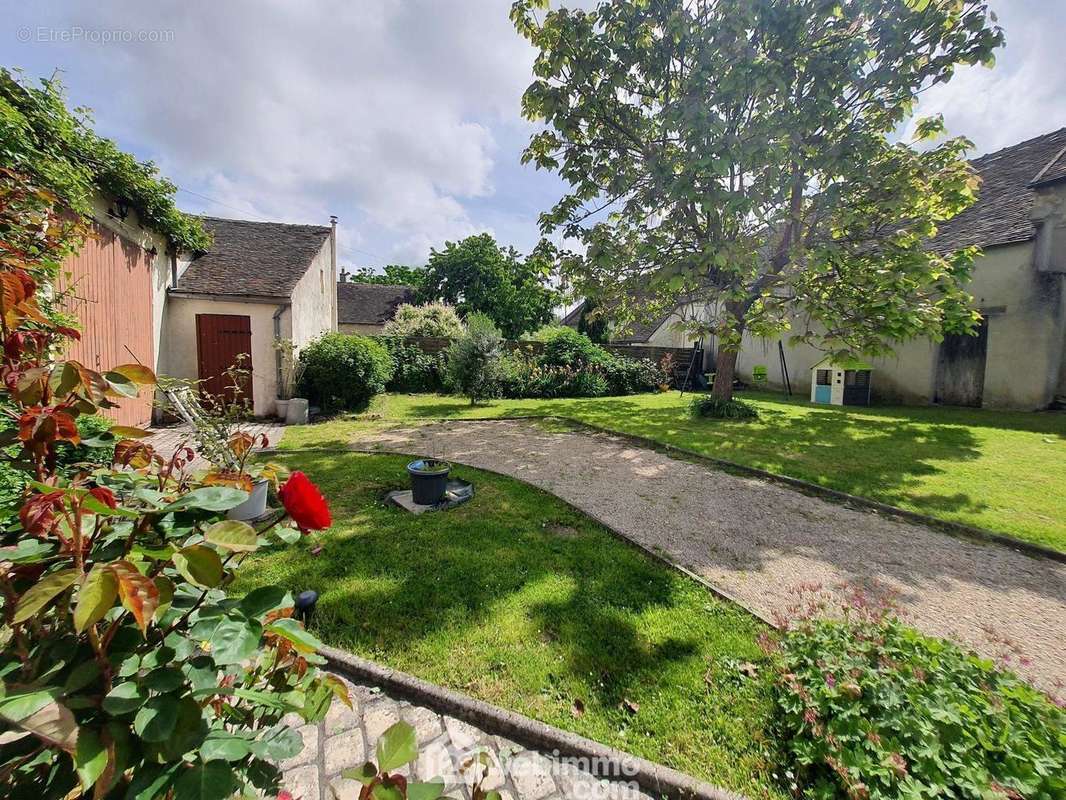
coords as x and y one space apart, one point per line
305 504
105 496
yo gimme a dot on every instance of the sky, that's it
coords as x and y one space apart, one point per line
401 117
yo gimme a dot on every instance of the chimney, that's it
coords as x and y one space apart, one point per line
333 270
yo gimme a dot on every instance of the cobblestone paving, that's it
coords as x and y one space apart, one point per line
446 745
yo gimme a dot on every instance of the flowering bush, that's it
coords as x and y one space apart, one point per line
436 320
125 669
416 371
870 708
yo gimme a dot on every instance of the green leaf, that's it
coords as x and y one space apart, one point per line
386 792
81 676
19 705
425 791
211 781
97 595
224 746
288 534
90 758
397 746
150 781
262 600
317 703
364 774
26 551
164 679
43 592
209 498
199 564
124 698
294 631
232 535
157 718
278 743
234 641
53 724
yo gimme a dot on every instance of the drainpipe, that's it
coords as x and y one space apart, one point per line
277 352
333 272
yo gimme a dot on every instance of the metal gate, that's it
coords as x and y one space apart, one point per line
221 339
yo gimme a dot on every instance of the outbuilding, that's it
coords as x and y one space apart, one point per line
841 381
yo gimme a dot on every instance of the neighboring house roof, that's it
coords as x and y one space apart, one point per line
370 303
1005 197
573 318
253 259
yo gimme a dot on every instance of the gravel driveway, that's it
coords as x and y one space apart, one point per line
755 540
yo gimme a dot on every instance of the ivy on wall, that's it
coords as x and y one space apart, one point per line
40 136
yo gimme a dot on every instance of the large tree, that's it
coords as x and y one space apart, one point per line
743 155
477 275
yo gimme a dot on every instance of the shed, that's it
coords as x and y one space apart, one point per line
841 381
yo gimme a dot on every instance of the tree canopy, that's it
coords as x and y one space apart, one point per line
390 275
477 275
743 154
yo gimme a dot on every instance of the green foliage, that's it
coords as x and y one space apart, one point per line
125 671
475 360
391 275
477 275
591 324
709 405
415 370
429 319
344 372
761 139
568 348
870 708
39 136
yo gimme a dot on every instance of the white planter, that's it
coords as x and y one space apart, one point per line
297 414
255 506
281 408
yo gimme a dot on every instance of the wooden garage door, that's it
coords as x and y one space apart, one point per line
221 339
109 285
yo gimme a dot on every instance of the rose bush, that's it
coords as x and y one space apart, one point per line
125 670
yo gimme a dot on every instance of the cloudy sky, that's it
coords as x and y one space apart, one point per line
399 116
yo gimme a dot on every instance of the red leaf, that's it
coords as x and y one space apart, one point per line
138 593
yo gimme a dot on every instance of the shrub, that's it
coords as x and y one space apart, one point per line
708 405
565 347
546 332
127 672
475 361
432 319
414 370
870 708
633 375
344 372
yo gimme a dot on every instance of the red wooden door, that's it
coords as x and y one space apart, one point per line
107 285
221 340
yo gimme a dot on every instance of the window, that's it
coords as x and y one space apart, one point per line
857 377
822 377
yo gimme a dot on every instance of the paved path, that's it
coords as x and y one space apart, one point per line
756 540
168 439
347 737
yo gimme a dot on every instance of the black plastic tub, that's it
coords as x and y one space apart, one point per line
429 480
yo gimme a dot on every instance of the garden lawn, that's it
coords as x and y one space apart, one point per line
1000 470
519 600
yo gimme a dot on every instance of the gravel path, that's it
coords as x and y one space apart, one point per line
756 540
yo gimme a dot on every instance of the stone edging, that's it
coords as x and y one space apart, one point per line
652 777
944 526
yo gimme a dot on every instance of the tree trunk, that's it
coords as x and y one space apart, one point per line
725 367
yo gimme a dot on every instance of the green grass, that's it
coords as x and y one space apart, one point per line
1000 470
519 600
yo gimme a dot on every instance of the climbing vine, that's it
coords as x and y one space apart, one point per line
40 136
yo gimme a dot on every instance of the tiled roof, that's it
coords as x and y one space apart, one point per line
261 259
370 303
1005 197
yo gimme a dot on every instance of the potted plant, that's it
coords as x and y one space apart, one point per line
429 480
290 372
